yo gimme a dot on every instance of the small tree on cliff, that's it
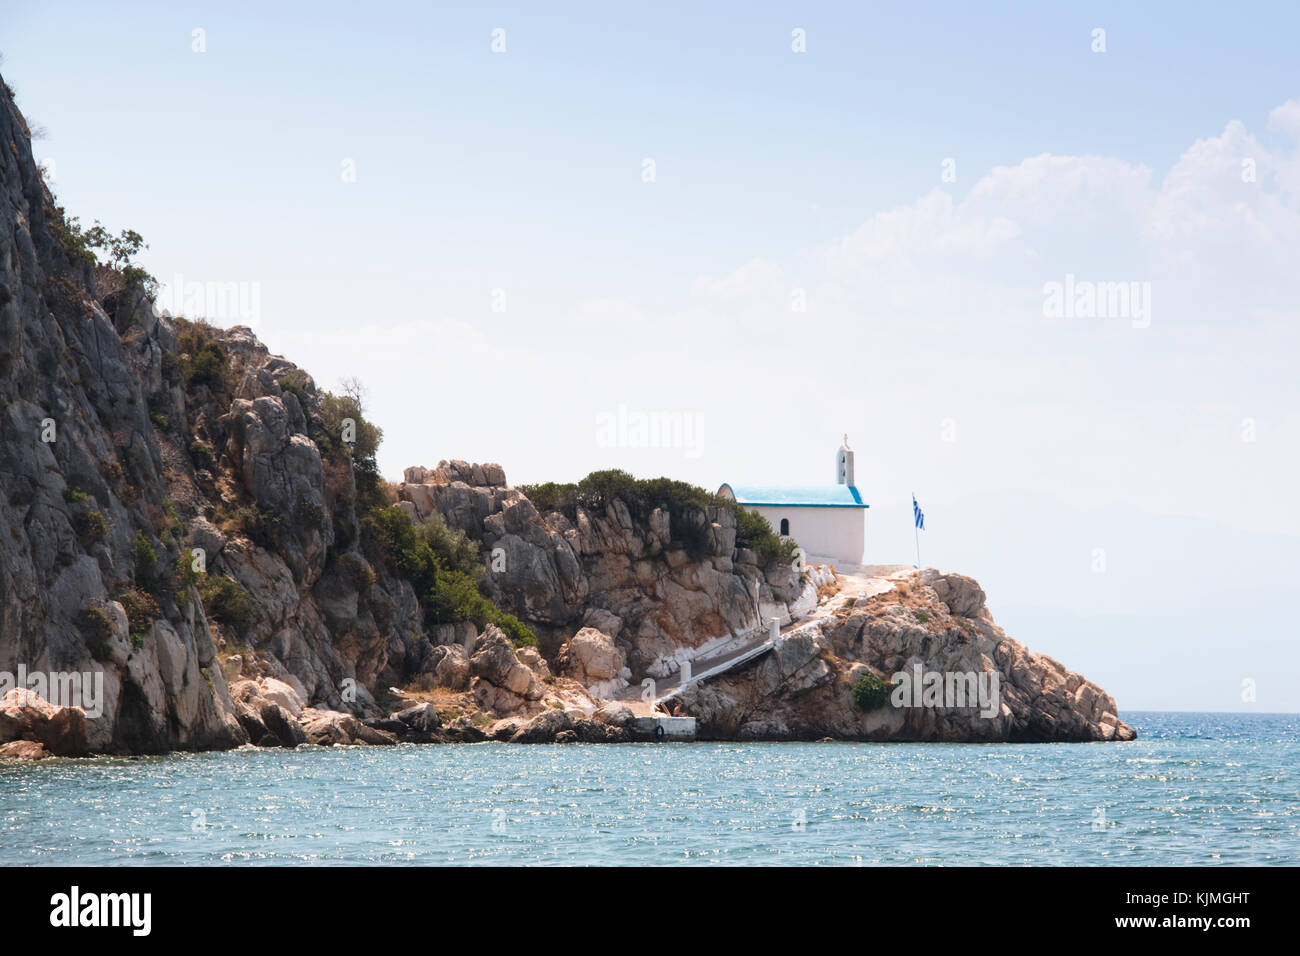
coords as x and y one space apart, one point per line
870 692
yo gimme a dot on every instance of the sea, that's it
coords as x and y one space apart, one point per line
1194 789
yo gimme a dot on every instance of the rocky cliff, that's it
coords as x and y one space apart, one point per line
178 506
661 592
83 473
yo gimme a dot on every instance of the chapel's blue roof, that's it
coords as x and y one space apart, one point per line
806 496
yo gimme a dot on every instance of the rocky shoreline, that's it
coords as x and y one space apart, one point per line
802 690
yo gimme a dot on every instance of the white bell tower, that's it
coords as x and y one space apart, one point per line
844 464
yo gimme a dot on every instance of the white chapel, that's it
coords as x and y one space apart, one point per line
828 521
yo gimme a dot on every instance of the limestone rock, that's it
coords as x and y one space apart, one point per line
463 730
615 714
279 692
502 684
25 715
962 594
23 750
420 718
590 656
331 727
803 689
543 728
633 581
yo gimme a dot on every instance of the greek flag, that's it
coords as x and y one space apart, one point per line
918 514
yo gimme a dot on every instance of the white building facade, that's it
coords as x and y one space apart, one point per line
828 521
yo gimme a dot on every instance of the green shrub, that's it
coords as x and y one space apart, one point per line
224 600
333 410
455 597
175 526
255 522
451 547
772 549
97 628
202 455
640 495
207 366
870 692
72 237
146 563
355 571
185 573
121 248
686 505
297 382
90 524
751 527
326 429
389 536
516 630
441 565
137 278
141 612
753 531
202 360
550 495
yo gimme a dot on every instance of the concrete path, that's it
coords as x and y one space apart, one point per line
868 580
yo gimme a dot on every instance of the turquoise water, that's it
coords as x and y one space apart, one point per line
1194 789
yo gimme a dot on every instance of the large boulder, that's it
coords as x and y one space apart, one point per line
23 750
544 728
284 694
332 727
613 713
266 721
502 683
421 722
25 715
591 655
963 595
451 667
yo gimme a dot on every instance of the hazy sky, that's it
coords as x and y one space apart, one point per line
510 286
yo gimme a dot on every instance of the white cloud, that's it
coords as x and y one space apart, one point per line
1286 118
757 282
